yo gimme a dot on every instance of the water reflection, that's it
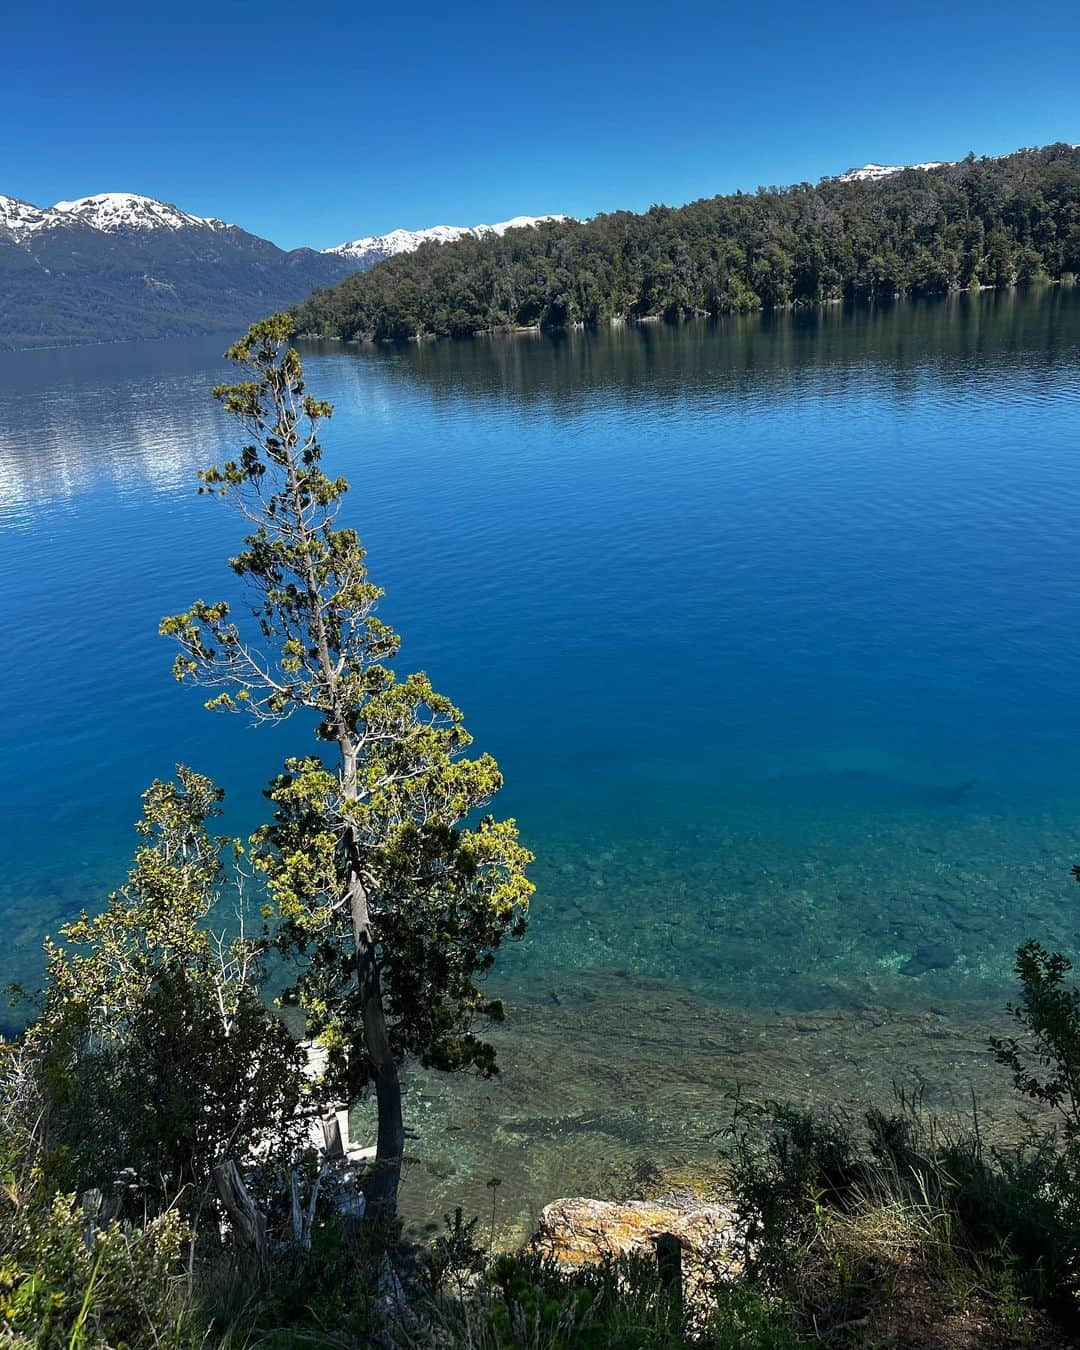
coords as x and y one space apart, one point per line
831 350
130 415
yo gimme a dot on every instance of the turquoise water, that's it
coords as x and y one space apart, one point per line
771 624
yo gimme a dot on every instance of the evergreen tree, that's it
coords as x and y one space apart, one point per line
390 886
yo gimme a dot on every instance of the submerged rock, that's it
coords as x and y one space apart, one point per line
933 956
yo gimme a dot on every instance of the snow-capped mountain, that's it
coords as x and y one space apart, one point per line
108 212
20 218
373 248
870 173
117 266
111 211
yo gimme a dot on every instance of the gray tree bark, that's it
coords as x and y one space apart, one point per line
248 1221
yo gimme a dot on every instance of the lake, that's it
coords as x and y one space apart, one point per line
770 623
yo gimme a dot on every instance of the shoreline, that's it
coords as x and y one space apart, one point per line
632 1074
620 320
614 321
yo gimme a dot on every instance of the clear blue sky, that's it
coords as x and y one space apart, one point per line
312 123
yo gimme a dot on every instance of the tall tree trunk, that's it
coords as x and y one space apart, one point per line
390 1144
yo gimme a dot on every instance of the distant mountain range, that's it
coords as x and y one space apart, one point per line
119 266
377 247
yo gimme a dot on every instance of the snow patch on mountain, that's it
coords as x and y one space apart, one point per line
871 173
20 218
111 211
398 241
374 248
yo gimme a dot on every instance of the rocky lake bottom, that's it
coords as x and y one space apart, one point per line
794 954
629 1078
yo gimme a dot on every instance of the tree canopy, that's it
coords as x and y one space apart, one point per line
992 222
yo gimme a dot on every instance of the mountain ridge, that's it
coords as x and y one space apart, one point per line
107 212
378 247
873 173
118 266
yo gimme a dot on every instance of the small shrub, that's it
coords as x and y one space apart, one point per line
327 1296
786 1167
1045 1060
615 1305
454 1257
124 1286
527 1302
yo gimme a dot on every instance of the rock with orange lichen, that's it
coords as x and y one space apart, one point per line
578 1231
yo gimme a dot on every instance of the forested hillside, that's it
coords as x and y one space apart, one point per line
161 272
993 222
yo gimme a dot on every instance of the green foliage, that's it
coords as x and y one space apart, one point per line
614 1304
154 1051
390 884
443 897
327 1296
455 1255
520 1301
123 1286
824 1228
831 1220
1020 1208
743 1316
991 221
526 1302
786 1164
851 1236
1045 1061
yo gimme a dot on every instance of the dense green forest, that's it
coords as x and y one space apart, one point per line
989 222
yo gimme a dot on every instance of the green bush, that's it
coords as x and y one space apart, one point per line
123 1286
325 1296
525 1301
154 1053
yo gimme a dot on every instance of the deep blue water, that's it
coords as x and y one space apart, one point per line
738 607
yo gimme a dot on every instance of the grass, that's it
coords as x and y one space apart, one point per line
884 1232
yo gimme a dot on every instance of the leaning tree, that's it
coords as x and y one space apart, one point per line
393 891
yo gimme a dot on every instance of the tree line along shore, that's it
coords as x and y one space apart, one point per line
920 232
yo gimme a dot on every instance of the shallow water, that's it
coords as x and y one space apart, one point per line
770 623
